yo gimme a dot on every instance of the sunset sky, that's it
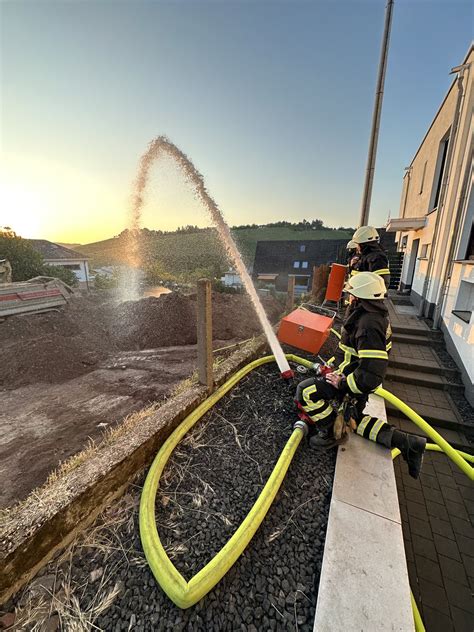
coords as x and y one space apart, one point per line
272 101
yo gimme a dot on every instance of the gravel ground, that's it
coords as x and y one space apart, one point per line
209 485
212 482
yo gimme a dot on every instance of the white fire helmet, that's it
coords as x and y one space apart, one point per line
366 285
364 235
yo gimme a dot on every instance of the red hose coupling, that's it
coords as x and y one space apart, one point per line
288 375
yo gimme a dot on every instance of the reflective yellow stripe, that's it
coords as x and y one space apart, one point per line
373 353
310 405
314 406
352 384
348 353
327 411
375 430
361 427
347 360
382 271
353 272
389 346
350 350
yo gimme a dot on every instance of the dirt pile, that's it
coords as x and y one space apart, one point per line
170 320
58 346
54 346
151 322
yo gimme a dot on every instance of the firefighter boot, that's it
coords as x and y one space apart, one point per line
323 438
412 449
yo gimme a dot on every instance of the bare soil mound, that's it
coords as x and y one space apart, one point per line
164 321
55 346
170 320
58 346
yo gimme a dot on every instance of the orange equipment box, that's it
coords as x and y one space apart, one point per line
306 327
335 282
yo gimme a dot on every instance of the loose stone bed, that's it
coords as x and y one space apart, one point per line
208 487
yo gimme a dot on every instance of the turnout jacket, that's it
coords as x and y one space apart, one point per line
373 259
362 355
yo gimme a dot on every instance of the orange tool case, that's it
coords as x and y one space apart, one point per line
335 282
307 327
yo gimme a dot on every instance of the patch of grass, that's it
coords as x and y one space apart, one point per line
56 594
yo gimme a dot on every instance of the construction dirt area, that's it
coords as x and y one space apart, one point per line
67 376
209 485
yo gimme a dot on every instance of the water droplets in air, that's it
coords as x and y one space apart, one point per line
162 146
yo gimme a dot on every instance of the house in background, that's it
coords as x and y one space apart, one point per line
231 279
56 255
435 224
275 261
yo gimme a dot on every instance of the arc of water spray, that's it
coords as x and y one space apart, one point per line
162 145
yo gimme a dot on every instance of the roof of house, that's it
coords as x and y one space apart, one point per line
278 255
51 251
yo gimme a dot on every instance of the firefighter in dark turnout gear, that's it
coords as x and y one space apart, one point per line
369 255
359 368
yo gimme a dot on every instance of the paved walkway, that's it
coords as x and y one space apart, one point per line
437 520
405 315
438 510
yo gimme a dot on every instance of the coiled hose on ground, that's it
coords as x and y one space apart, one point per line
185 594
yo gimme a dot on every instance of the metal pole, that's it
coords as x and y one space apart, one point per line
369 176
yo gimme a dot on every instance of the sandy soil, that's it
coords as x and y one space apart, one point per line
67 376
43 425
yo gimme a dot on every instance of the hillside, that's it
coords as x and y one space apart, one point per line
182 252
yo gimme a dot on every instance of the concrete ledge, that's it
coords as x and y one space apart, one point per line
51 517
364 579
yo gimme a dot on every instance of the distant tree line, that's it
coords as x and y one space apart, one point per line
304 224
26 262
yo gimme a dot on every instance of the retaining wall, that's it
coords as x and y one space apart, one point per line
364 579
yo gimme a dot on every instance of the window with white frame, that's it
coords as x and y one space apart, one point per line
304 264
465 301
302 248
296 264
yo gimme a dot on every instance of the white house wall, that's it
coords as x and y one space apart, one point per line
417 200
461 161
461 334
82 274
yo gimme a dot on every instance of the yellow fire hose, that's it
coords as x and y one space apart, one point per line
460 459
185 594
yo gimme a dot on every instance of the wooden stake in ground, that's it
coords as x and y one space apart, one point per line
290 301
204 334
320 282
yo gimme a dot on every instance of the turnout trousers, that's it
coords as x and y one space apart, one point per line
315 398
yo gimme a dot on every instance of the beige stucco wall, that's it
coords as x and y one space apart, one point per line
447 225
460 332
418 204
